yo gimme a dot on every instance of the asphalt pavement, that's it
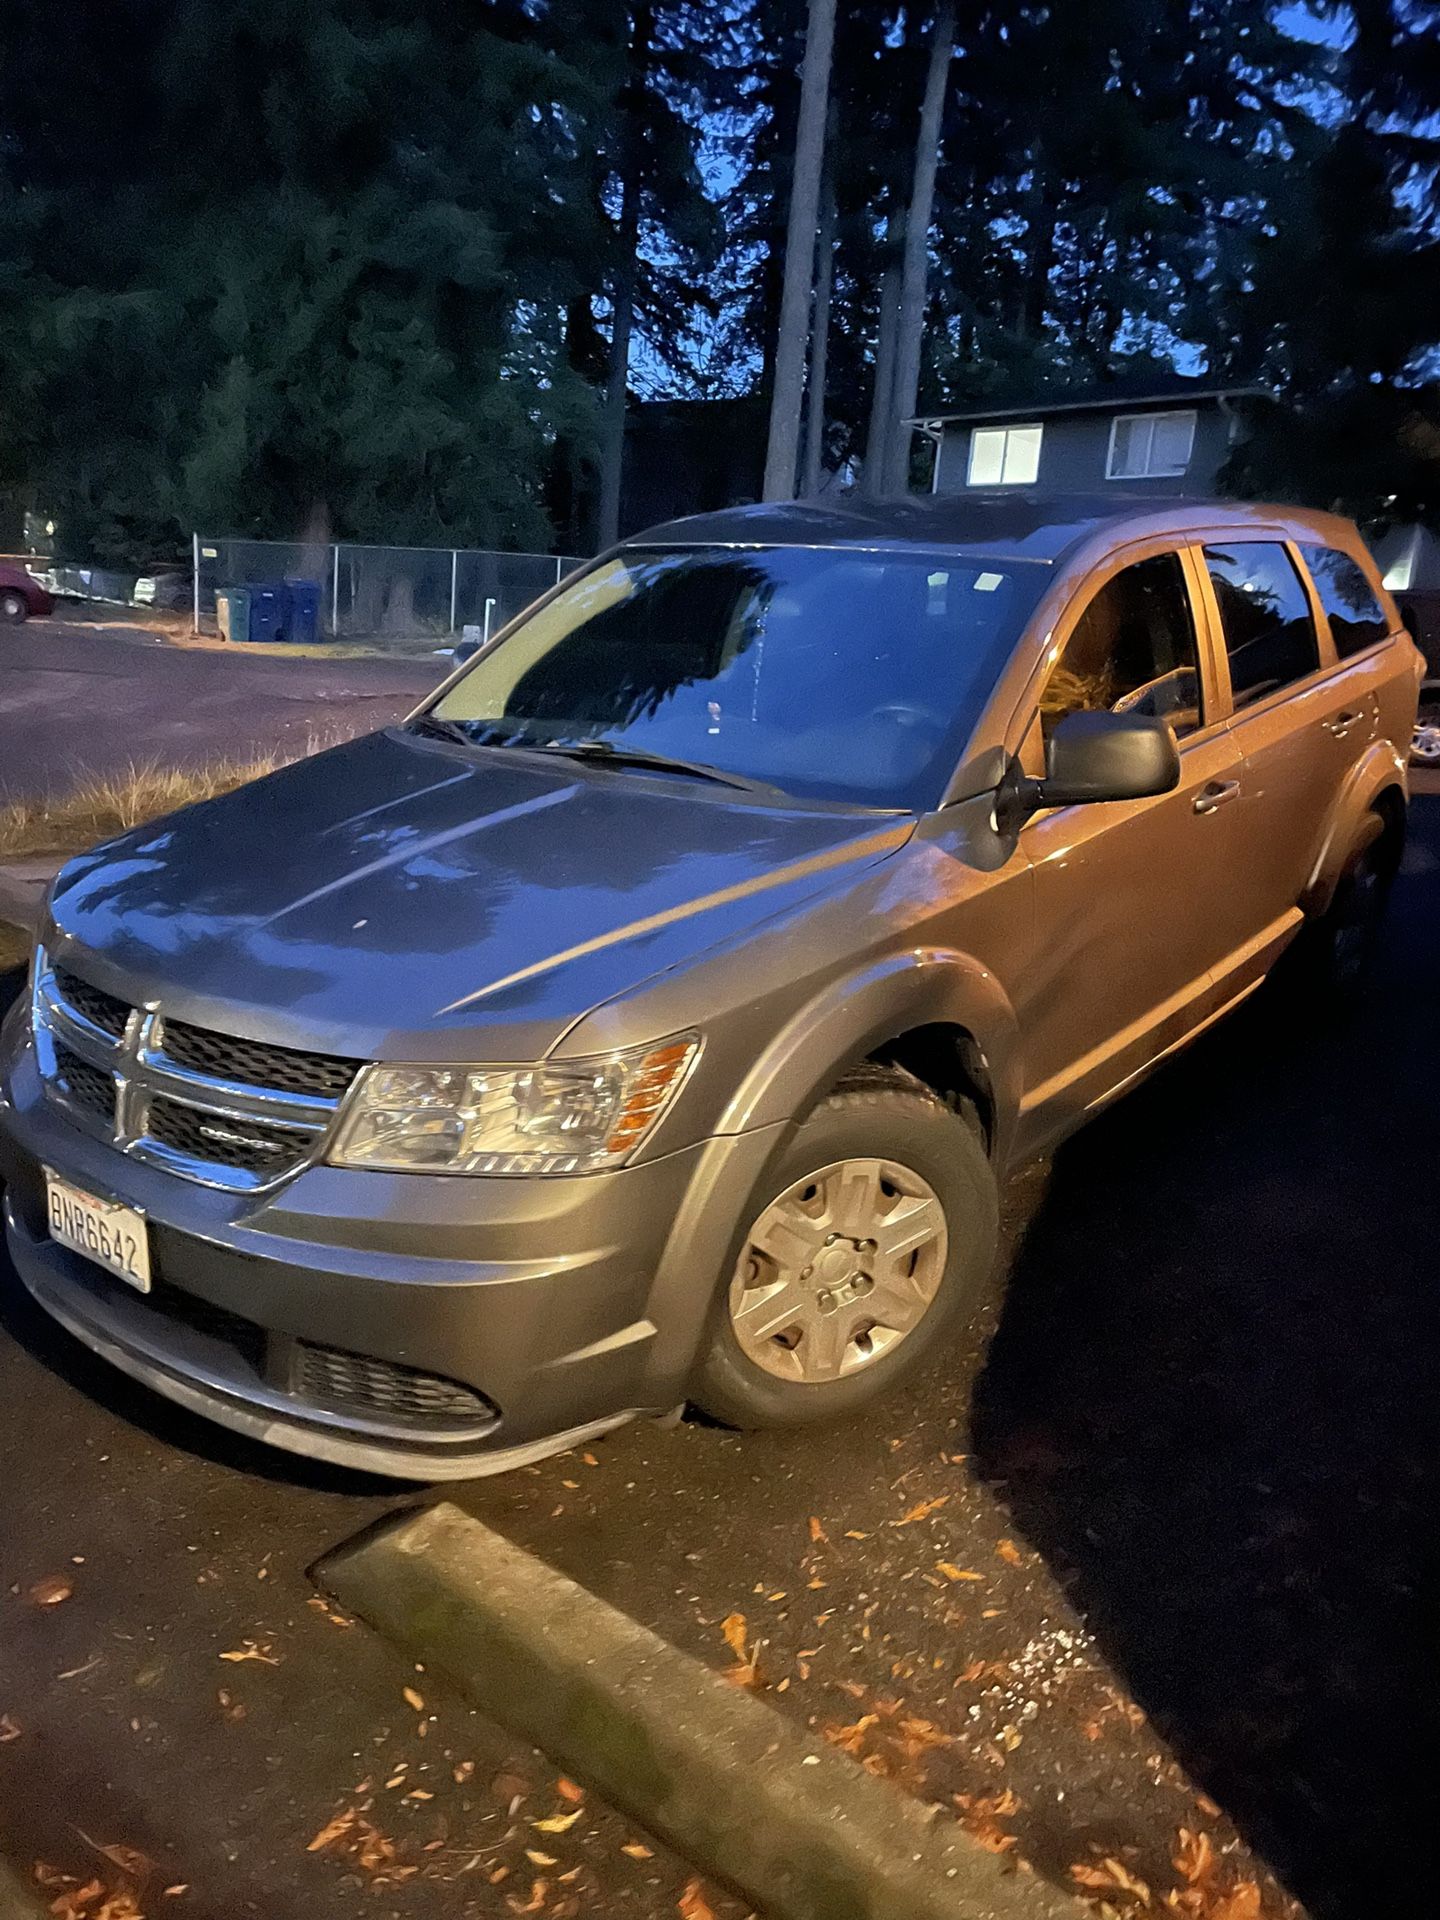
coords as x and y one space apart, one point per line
1163 1622
80 699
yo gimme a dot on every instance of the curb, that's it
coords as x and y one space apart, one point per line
17 1900
793 1825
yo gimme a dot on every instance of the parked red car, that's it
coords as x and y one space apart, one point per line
21 594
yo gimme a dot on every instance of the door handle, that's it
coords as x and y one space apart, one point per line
1340 724
1216 794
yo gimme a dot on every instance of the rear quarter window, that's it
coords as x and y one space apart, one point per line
1357 620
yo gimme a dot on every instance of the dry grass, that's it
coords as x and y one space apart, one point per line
14 947
101 806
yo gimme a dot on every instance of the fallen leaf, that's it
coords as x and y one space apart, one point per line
733 1628
1194 1856
589 1459
413 1699
50 1591
332 1614
128 1859
557 1823
921 1511
746 1674
248 1650
1009 1552
1241 1903
952 1572
568 1790
180 1886
817 1532
1111 1876
463 1772
692 1904
537 1859
333 1830
636 1851
509 1786
538 1890
9 1729
419 1793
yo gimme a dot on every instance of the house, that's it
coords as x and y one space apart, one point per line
1145 433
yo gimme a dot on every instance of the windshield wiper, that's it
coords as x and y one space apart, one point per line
442 729
605 753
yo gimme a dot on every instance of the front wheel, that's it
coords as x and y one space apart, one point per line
873 1241
14 607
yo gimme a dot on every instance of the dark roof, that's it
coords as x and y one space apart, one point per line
1128 391
1013 523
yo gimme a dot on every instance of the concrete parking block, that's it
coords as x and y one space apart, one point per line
791 1823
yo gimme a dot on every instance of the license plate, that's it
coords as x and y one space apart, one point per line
113 1236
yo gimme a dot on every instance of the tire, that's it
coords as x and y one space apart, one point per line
1425 745
880 1123
14 607
1340 947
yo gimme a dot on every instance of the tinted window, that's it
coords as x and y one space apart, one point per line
1356 617
827 673
1269 634
1132 650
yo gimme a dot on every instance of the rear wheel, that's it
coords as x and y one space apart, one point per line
14 607
1342 943
873 1241
1425 743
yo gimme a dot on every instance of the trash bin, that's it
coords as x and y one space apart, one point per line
269 611
303 626
232 613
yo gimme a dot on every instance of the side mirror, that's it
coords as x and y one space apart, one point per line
1095 756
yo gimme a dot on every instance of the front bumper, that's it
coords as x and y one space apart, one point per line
423 1326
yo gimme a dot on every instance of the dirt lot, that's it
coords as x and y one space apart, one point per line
77 699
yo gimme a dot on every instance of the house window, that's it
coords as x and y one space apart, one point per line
1004 456
1150 446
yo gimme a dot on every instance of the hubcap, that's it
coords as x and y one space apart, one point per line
1426 743
838 1270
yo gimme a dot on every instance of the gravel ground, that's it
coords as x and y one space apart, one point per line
1163 1623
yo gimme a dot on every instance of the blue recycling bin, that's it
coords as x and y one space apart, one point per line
303 626
269 610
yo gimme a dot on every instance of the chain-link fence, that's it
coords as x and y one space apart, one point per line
390 593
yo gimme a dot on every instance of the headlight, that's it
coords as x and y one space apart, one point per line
572 1116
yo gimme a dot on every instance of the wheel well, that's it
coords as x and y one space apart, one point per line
1390 805
951 1063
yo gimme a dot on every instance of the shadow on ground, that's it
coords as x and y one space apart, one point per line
1212 1407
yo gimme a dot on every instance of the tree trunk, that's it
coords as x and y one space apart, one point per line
789 389
872 474
623 281
820 333
910 332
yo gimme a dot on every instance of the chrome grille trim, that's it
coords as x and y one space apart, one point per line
142 1072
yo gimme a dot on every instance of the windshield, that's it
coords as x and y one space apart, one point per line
829 674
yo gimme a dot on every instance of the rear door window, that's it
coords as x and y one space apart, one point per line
1265 616
1357 620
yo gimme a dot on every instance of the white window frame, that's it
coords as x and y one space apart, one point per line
1188 414
1037 427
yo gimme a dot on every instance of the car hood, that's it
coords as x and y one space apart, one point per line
383 897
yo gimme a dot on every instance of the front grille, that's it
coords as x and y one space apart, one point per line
89 1088
101 1009
255 1063
354 1383
253 1146
210 1106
